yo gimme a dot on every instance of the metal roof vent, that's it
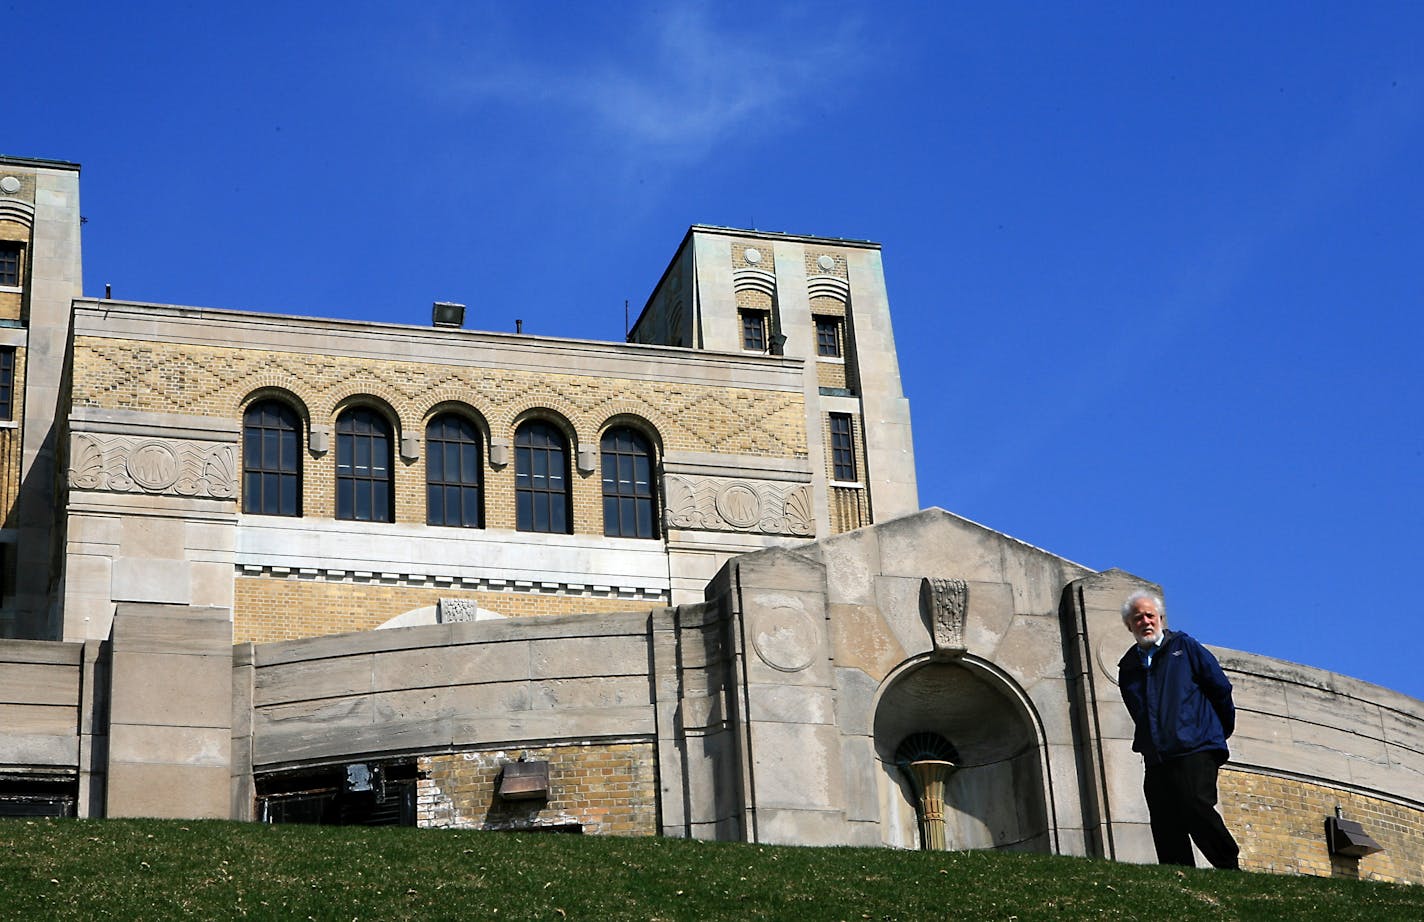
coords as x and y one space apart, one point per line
447 314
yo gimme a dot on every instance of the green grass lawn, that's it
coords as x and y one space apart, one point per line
148 869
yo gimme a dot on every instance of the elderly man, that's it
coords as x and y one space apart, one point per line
1180 702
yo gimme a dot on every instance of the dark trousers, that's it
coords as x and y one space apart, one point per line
1181 798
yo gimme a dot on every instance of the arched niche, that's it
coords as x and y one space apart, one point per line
996 796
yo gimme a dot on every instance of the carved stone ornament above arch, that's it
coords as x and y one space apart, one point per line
944 603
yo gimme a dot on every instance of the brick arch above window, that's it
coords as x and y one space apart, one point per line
382 399
370 401
455 402
275 387
283 391
643 418
555 413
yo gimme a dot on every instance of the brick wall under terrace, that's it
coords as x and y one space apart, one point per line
607 789
269 609
1280 824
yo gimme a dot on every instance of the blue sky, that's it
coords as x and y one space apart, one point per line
1155 275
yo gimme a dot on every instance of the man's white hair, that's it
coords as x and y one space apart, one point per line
1137 596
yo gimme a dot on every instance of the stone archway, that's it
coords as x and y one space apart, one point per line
995 796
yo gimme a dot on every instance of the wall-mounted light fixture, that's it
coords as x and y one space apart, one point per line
1348 838
524 781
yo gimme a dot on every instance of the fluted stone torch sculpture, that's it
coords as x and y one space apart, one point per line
929 760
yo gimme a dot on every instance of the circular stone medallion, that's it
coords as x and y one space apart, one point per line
153 466
739 505
826 263
784 638
752 255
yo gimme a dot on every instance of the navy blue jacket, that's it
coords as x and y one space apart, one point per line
1181 705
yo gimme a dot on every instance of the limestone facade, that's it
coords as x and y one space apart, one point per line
763 665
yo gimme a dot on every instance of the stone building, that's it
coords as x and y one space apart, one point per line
296 569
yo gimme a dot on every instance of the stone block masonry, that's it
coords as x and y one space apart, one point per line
605 789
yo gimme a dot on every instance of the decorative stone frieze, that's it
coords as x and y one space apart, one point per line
456 610
944 603
723 504
178 467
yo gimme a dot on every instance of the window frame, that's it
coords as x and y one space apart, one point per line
552 489
761 342
829 323
12 260
365 481
843 448
279 474
468 457
8 358
630 506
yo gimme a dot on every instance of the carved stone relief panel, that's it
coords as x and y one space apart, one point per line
944 603
456 610
725 504
180 467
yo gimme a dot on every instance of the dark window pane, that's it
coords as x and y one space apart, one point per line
363 470
842 448
628 509
541 461
271 461
251 491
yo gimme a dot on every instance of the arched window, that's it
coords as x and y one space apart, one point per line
271 459
363 466
541 479
629 510
452 473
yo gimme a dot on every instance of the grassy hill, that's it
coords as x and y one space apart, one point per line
144 869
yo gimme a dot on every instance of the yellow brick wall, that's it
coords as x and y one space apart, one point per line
267 609
813 263
608 789
751 299
739 255
830 374
1280 825
10 444
11 302
218 382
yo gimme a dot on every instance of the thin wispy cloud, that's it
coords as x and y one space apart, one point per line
682 80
